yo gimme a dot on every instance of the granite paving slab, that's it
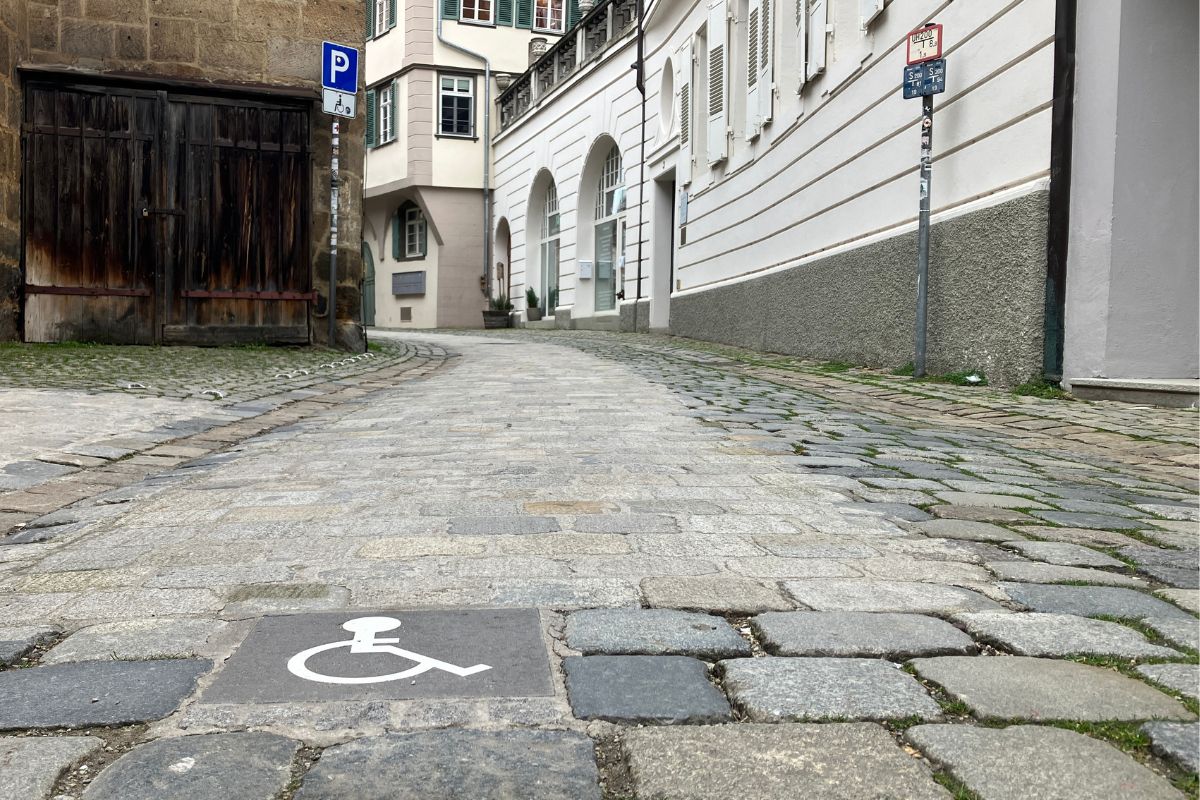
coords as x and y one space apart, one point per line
835 761
219 766
1188 599
1083 519
17 642
980 500
1081 536
964 529
1037 572
999 516
1182 678
719 594
1018 687
96 692
883 595
141 640
1092 601
1028 761
812 689
667 689
653 631
1176 741
452 765
1060 635
30 766
1176 630
1064 554
856 634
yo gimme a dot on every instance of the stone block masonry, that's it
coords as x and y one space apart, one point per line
258 44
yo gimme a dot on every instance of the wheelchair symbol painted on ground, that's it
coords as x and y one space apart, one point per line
365 630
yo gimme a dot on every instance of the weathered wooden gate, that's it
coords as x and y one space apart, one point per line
161 216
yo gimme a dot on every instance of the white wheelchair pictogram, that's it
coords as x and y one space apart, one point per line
365 630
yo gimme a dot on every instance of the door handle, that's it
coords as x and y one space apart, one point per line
146 212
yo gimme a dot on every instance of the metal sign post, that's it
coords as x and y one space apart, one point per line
339 90
924 77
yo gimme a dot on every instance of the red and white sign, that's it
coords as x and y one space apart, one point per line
925 44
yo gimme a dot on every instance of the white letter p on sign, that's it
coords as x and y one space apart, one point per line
339 63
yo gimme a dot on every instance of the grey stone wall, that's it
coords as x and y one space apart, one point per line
986 300
643 316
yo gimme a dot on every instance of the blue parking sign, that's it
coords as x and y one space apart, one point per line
339 67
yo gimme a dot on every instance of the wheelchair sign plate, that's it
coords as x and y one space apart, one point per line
340 104
388 655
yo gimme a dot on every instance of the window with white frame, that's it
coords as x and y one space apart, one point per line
548 16
477 11
549 250
386 117
381 16
457 106
609 231
414 232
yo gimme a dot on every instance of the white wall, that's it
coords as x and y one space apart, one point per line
377 230
835 167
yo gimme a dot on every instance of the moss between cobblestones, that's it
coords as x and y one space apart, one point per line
958 790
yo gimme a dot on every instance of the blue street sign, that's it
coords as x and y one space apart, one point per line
925 79
339 67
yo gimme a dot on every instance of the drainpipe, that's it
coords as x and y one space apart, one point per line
487 152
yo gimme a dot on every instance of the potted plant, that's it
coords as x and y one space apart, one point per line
533 310
497 313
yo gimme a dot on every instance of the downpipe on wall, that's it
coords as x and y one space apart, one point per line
487 153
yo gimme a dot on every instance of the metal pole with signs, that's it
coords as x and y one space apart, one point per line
339 90
924 77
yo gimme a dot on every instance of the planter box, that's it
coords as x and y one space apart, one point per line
533 314
497 319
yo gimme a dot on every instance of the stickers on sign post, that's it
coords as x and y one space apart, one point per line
925 44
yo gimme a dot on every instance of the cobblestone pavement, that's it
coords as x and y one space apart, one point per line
71 407
645 568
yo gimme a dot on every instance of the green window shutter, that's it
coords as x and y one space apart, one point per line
524 13
391 14
450 9
395 111
504 12
397 234
371 105
573 14
370 18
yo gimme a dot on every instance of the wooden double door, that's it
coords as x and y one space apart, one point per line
164 217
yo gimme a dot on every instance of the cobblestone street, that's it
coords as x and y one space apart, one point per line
623 567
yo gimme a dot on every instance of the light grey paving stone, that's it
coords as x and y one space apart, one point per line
450 765
1064 554
964 529
218 766
140 640
813 689
1082 536
1184 598
1092 601
486 526
881 595
979 500
30 766
625 523
857 634
894 510
670 689
95 693
1060 635
653 631
834 761
1029 761
1017 687
1176 630
16 642
720 594
1082 519
1170 511
1182 678
1037 572
1176 741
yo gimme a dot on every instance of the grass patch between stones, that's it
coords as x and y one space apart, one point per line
958 790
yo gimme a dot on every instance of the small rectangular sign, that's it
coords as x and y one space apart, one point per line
925 44
340 104
339 67
925 79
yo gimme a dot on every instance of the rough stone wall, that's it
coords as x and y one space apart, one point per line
13 38
265 42
986 300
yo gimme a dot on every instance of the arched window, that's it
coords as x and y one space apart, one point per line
610 230
548 252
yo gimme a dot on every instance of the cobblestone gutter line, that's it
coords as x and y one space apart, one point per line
128 459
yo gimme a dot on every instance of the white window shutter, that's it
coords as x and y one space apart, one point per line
870 10
766 60
818 24
683 79
718 84
801 38
753 38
